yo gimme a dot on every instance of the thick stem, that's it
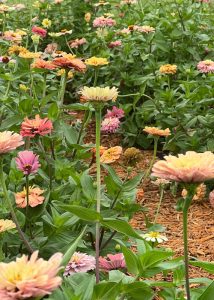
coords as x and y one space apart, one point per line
21 234
186 258
159 204
97 241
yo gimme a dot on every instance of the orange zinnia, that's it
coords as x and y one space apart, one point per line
111 155
65 62
43 64
156 131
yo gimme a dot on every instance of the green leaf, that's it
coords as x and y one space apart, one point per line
131 260
133 183
106 291
116 179
83 213
207 266
138 291
9 122
71 135
53 111
152 258
208 293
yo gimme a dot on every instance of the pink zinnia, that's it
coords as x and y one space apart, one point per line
27 162
39 31
36 126
9 141
110 125
103 22
115 44
78 42
206 66
115 113
112 262
79 262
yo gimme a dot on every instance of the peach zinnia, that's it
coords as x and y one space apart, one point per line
111 155
9 141
168 69
43 64
29 278
6 225
71 63
191 167
156 131
36 126
35 197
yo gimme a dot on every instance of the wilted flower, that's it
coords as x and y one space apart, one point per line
29 278
112 262
96 61
200 192
76 43
66 62
160 182
46 23
51 48
35 197
79 262
27 162
36 126
103 22
98 94
211 198
6 225
40 31
144 29
111 155
9 141
115 44
156 131
43 64
140 195
153 236
87 17
132 155
115 113
168 69
190 167
206 66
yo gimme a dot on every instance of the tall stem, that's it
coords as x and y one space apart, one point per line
62 89
97 242
159 204
21 234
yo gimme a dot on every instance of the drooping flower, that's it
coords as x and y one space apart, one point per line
99 94
206 66
28 278
132 155
79 262
115 44
27 162
110 125
9 141
168 69
6 225
111 155
36 126
154 236
200 193
112 262
156 131
43 64
35 197
66 62
115 113
211 198
46 23
77 42
96 61
40 31
191 167
103 22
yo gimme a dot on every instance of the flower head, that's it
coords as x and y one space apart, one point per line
206 66
79 262
35 197
153 236
191 167
156 131
16 50
110 125
132 155
29 54
111 155
76 43
43 64
96 61
6 225
115 44
160 182
168 69
112 262
103 22
39 31
87 17
66 62
211 198
29 278
115 113
144 29
200 193
27 162
46 23
98 94
36 126
9 141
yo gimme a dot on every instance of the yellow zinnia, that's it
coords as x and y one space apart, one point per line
96 61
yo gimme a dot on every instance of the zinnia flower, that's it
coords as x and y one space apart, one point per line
87 17
29 55
115 44
46 23
43 64
36 126
110 125
206 66
132 155
9 141
96 61
156 131
29 278
200 193
79 262
39 31
115 113
6 225
168 69
211 198
35 197
103 22
191 167
153 236
27 162
98 94
74 63
16 50
111 155
145 28
112 262
76 43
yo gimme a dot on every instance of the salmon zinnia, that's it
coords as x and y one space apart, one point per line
35 197
191 167
36 126
9 141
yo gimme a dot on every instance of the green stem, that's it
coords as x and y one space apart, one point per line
45 86
63 87
15 220
49 163
97 242
96 71
159 204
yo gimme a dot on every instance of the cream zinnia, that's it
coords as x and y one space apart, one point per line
100 94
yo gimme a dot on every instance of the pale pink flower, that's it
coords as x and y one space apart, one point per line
27 162
211 198
206 66
110 125
112 262
76 43
79 262
28 278
103 22
115 113
9 141
115 44
124 31
190 167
